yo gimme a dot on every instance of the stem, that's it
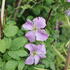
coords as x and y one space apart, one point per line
49 14
17 9
2 11
58 53
68 44
68 59
2 18
0 30
67 19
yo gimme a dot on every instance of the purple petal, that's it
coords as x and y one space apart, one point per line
29 60
41 35
31 36
68 0
37 58
31 47
42 55
28 25
41 49
39 22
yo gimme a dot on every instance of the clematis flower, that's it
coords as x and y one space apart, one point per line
68 0
36 29
37 52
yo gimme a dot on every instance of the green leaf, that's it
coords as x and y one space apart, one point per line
5 44
46 62
0 62
49 1
36 10
18 43
30 17
2 65
21 65
52 65
6 57
10 30
39 66
11 65
11 22
17 54
2 46
8 42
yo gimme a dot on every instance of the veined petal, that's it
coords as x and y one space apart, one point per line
37 58
29 60
41 35
41 49
31 36
39 22
28 25
30 47
42 55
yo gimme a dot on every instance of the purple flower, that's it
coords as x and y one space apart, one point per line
67 12
68 0
36 31
36 53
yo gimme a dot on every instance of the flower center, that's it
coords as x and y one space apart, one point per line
34 53
35 28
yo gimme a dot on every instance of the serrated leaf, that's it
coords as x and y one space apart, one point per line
17 54
5 44
6 57
52 65
11 22
18 43
2 46
21 65
10 30
11 65
8 42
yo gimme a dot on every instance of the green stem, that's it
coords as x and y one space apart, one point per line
58 53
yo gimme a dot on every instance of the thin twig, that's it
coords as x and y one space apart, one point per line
0 29
17 9
49 14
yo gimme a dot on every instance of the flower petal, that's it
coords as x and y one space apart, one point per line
41 35
68 0
41 49
29 60
30 47
42 56
28 25
37 58
31 36
39 22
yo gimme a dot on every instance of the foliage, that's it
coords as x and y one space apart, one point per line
12 51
